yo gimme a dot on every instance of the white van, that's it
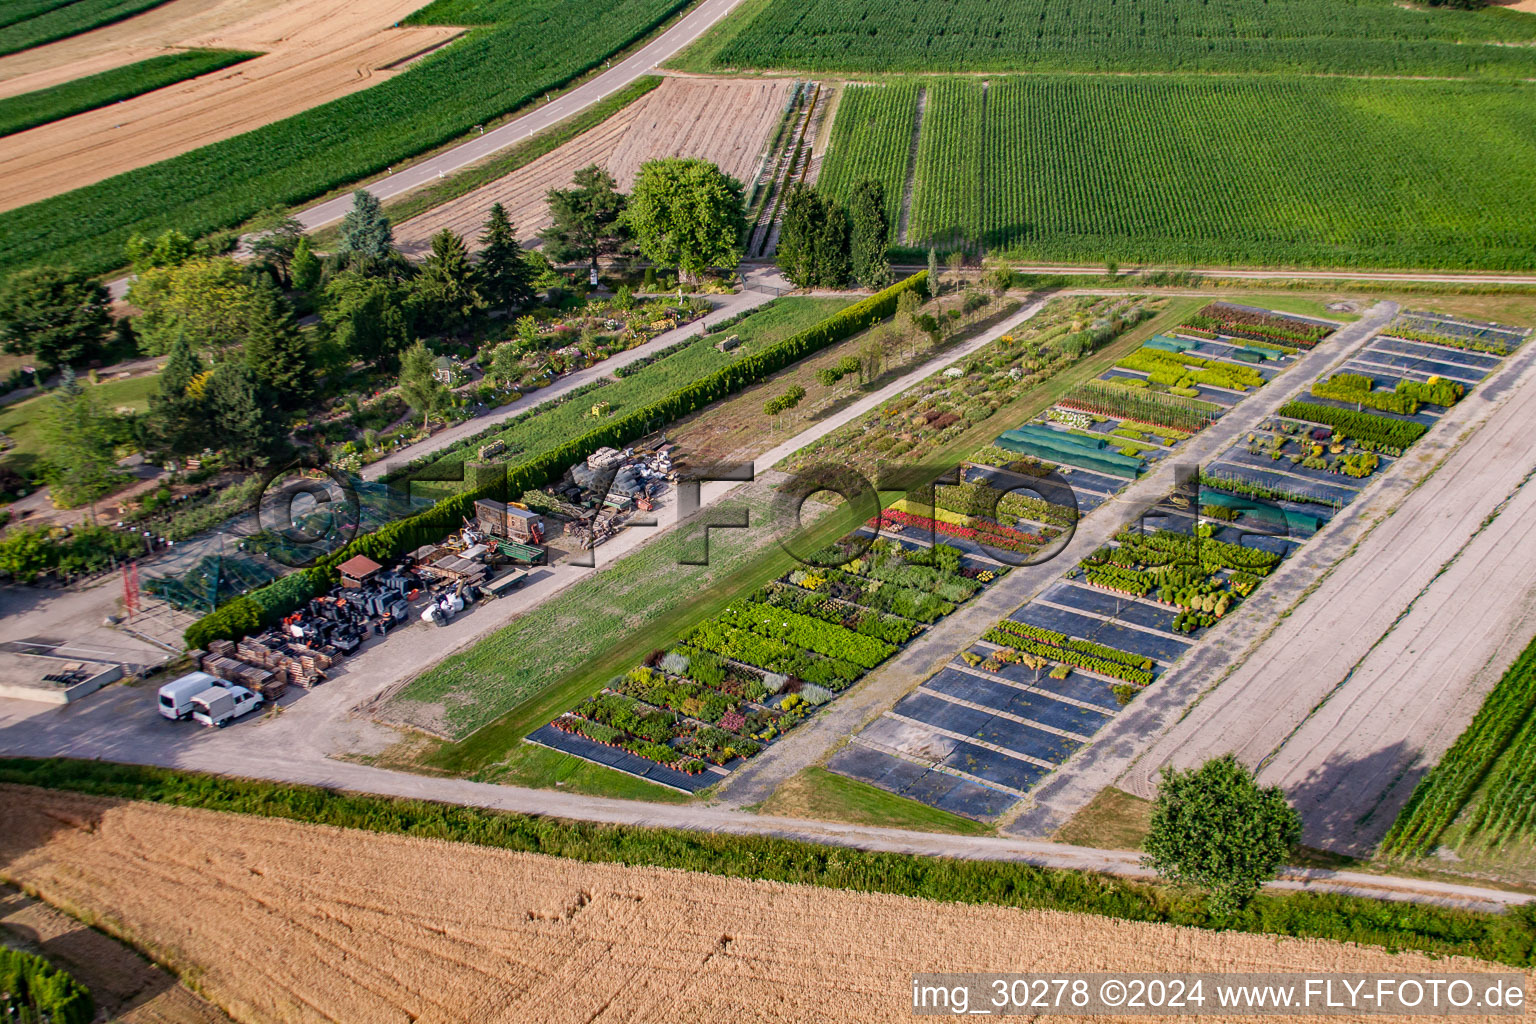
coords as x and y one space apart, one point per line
176 696
220 706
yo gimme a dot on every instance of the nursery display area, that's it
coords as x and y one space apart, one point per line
741 679
1005 712
1039 684
1326 446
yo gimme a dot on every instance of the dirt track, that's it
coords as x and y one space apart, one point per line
312 51
1377 672
297 922
727 122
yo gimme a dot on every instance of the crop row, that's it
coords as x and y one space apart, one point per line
988 534
1083 167
978 499
1404 399
813 634
479 77
41 23
1055 639
18 113
1444 791
1104 35
893 629
1066 655
1123 403
872 139
1366 429
948 188
1183 370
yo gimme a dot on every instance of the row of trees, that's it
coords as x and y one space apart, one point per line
823 245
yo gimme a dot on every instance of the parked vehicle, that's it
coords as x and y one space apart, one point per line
176 696
220 706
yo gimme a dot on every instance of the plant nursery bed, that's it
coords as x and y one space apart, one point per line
621 760
994 767
917 782
1075 686
999 696
1158 647
1315 490
1091 599
986 726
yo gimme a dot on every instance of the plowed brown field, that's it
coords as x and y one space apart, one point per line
291 922
312 51
726 122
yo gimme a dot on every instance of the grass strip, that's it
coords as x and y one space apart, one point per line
1508 938
30 109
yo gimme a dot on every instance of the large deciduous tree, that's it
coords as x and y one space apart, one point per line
1215 828
370 317
207 300
813 240
688 214
276 242
419 385
587 219
506 279
53 313
870 229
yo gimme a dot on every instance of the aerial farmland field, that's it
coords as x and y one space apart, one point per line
323 916
1244 170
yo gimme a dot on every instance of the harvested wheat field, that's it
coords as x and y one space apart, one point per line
727 122
127 987
292 922
312 51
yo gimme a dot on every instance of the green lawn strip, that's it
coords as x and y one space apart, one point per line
527 764
677 606
22 421
484 74
826 796
531 434
470 178
661 601
1506 938
30 109
59 21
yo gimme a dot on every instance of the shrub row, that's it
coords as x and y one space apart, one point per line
269 604
40 991
1365 427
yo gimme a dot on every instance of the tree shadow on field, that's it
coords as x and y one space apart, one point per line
1348 803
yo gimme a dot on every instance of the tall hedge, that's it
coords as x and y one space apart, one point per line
33 984
263 607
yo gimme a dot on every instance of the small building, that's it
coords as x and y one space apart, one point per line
357 570
442 369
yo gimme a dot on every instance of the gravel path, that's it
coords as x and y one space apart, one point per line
1348 700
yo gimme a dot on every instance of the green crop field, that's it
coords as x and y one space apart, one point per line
18 113
43 21
1348 37
1238 170
489 72
872 138
947 196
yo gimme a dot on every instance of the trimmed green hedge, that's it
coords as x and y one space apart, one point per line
32 985
268 605
1507 938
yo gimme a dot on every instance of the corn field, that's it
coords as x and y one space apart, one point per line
872 139
1223 169
1312 36
1497 751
